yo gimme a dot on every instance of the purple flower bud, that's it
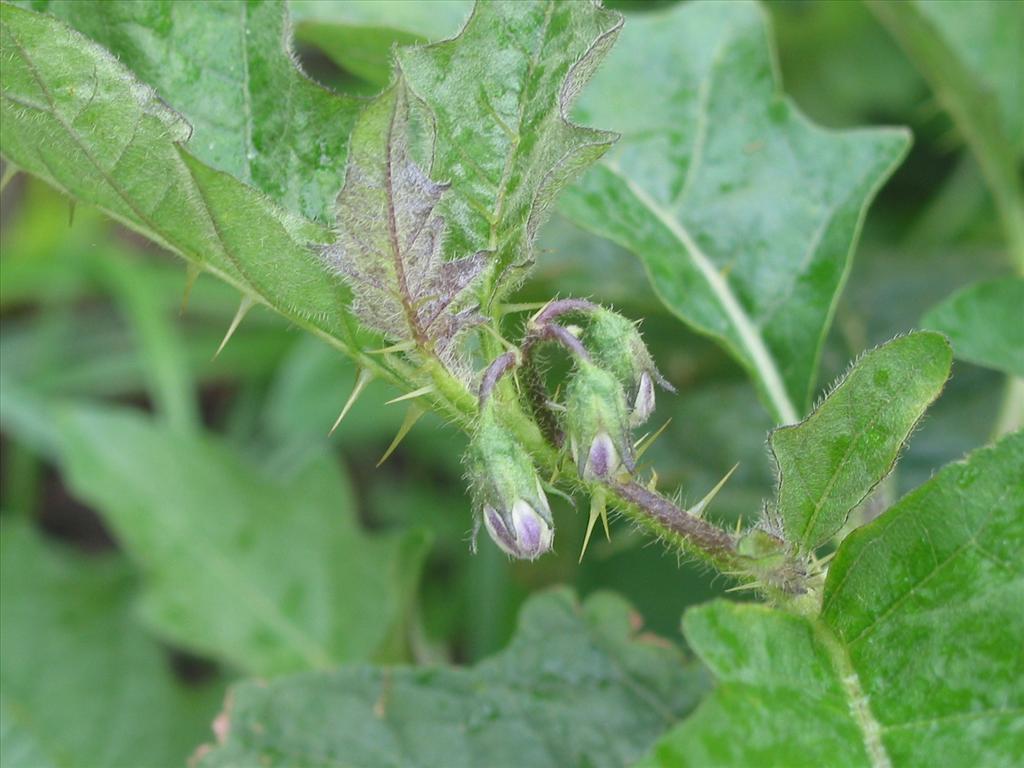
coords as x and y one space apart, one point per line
526 535
603 459
643 404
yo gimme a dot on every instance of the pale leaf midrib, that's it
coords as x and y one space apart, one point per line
749 335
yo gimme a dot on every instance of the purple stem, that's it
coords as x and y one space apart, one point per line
703 534
561 307
501 365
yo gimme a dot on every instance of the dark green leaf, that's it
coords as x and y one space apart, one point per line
80 684
744 213
985 323
575 687
829 462
915 659
225 66
262 566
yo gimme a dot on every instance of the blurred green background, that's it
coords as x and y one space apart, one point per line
95 333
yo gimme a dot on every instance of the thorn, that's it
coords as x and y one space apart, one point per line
71 213
742 587
243 309
646 442
191 275
652 484
597 509
411 417
533 319
411 395
403 346
363 377
699 508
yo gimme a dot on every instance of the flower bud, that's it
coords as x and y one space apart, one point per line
507 490
615 344
597 423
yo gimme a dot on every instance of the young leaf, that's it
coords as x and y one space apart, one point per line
575 687
500 94
227 68
744 212
830 461
983 321
914 660
80 683
265 569
390 238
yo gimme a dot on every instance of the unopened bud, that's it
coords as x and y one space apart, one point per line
615 344
508 493
597 423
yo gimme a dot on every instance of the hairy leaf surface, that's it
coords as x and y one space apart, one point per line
745 213
984 323
575 687
80 683
390 240
829 462
915 659
500 94
264 567
227 68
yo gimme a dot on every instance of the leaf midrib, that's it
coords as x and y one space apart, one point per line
749 335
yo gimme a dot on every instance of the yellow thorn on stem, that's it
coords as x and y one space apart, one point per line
698 509
411 417
411 395
363 377
646 442
243 310
402 346
191 275
597 509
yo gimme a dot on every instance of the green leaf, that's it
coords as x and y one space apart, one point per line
80 684
359 35
914 660
831 461
744 213
389 238
500 95
76 118
970 53
262 566
225 67
983 321
576 686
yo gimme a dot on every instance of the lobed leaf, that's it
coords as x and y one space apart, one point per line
500 95
915 659
983 322
574 687
829 462
264 567
80 683
744 213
